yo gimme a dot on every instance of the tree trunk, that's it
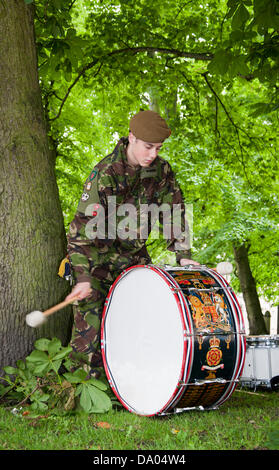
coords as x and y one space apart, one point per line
249 290
32 232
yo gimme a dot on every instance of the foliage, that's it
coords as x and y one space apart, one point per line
250 47
211 69
38 381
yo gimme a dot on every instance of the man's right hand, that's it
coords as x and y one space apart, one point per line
81 290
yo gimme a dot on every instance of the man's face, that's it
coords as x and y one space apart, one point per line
142 153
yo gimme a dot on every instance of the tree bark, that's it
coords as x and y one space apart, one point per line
32 232
249 290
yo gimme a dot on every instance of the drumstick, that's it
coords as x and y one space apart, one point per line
37 318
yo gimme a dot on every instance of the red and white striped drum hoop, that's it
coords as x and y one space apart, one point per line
172 339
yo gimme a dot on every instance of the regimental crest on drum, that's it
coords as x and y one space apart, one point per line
213 324
209 312
209 309
213 358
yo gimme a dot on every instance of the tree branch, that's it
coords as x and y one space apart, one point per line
205 56
237 128
81 73
163 50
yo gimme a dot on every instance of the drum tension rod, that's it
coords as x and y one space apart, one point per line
203 382
211 289
223 333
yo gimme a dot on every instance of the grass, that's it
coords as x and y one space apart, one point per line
247 421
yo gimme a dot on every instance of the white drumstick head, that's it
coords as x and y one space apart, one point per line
35 319
225 267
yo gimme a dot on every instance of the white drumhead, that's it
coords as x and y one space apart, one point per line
144 340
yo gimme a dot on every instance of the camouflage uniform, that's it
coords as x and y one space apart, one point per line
100 260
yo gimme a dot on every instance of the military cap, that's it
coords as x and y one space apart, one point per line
149 127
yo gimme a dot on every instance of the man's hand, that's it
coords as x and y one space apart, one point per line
185 262
81 289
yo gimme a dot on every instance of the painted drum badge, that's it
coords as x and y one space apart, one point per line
210 316
213 358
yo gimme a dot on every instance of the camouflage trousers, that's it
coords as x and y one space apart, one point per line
86 332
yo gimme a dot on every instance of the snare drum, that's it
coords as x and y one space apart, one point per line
172 339
261 366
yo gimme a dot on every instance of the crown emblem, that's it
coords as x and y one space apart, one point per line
214 342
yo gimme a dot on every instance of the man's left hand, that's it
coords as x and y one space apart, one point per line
185 262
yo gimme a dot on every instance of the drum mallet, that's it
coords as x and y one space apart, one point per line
37 318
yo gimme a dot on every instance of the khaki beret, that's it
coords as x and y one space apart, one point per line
149 127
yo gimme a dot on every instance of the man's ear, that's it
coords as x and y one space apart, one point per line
132 138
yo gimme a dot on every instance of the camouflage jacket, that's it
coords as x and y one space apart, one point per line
101 237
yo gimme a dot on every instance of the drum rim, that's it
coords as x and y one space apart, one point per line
187 340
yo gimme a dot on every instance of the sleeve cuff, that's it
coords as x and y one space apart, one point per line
184 254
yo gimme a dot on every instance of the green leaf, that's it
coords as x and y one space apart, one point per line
97 383
219 64
76 377
240 17
28 1
100 401
37 356
55 365
21 364
41 369
10 370
63 353
92 399
42 344
54 346
44 397
85 399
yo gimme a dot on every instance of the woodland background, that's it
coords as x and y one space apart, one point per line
72 73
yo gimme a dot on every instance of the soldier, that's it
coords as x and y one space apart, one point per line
133 176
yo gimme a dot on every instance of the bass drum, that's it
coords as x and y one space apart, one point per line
172 339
